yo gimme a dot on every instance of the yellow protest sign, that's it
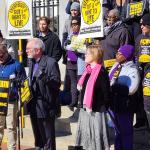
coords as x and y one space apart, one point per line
91 19
144 53
146 85
136 8
18 14
109 63
25 92
91 10
19 19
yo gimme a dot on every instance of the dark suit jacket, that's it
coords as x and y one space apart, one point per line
45 87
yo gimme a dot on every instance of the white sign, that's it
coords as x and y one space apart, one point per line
19 16
91 18
3 17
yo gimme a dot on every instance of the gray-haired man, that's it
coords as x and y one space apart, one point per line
44 77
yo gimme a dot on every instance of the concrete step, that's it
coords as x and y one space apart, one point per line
65 130
66 127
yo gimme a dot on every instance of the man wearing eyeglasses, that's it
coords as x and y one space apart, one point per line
143 59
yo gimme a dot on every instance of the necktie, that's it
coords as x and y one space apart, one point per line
36 65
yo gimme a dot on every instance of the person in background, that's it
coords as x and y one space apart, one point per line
13 70
51 40
132 21
94 90
9 47
69 5
75 58
116 35
121 6
75 11
143 59
45 81
67 31
124 80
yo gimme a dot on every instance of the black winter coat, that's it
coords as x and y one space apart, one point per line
45 87
115 38
52 45
101 96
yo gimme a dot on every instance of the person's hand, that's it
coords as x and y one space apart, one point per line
20 53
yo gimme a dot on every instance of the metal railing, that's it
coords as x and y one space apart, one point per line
49 8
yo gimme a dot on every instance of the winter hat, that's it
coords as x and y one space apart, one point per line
75 6
146 19
127 51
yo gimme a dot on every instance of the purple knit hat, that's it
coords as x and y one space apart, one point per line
127 51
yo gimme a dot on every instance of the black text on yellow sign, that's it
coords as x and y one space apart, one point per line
3 95
18 14
4 84
91 10
136 8
25 92
146 85
144 56
2 104
144 42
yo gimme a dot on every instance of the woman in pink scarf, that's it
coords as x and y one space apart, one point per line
94 97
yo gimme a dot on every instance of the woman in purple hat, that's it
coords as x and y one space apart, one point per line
124 81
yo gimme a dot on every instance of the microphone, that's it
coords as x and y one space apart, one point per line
12 78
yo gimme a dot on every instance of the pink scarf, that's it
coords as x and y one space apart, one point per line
88 96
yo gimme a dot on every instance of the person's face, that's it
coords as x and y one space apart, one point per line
74 13
89 57
75 26
43 26
3 56
111 19
120 58
145 29
30 50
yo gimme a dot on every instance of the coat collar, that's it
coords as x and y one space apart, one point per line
127 63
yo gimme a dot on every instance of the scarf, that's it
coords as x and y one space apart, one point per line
109 29
89 91
112 72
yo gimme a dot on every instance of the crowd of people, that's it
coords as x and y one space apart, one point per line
106 76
